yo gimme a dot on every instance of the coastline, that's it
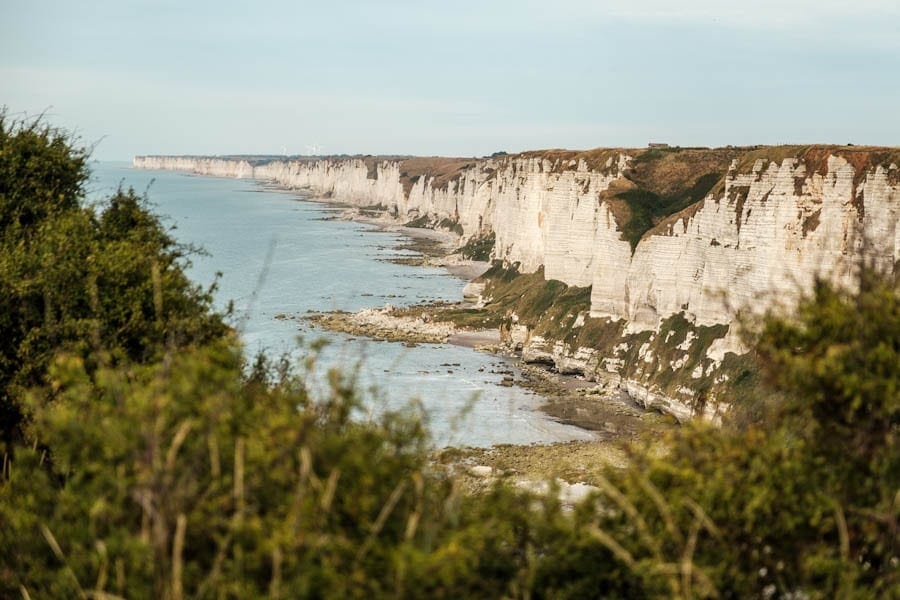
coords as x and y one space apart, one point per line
601 408
564 399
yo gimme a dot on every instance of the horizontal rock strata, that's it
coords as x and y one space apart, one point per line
776 220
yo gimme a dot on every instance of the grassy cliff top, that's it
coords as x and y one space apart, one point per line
662 170
670 183
658 184
661 184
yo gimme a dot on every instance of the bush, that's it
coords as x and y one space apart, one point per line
177 476
79 278
805 504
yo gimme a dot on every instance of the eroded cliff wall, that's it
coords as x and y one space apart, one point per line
541 211
776 219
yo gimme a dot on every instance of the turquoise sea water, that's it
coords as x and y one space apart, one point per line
279 254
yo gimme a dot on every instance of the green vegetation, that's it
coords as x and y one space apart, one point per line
439 172
419 222
479 248
530 295
470 318
558 312
426 222
549 308
106 283
805 501
673 346
148 461
666 181
450 225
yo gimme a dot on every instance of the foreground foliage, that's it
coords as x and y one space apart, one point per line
144 459
177 479
81 278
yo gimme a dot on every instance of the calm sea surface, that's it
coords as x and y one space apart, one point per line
277 254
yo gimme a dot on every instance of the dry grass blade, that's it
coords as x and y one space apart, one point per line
215 464
156 281
293 516
612 545
703 517
689 572
177 557
687 559
305 463
843 534
142 498
57 551
239 476
412 523
307 471
177 441
662 506
631 510
844 541
104 566
96 322
382 518
224 542
120 575
330 488
275 583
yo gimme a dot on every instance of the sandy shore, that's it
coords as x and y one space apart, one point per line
475 339
465 269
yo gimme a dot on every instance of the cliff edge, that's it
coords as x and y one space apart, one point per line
656 250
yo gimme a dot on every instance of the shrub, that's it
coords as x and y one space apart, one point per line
805 503
79 278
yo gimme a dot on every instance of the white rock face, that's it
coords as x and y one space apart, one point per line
541 213
761 238
762 241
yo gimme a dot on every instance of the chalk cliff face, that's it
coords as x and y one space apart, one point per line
541 212
765 238
762 236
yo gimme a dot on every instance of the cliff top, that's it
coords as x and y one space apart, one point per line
659 183
671 183
663 168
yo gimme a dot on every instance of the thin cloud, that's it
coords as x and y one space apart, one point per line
754 14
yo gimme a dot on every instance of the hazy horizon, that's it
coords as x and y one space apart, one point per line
467 79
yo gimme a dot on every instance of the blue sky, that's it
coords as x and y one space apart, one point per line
460 78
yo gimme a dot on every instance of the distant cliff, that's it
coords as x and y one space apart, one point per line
660 236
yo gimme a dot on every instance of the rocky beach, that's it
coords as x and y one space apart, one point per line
602 406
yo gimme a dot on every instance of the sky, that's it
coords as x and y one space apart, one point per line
461 77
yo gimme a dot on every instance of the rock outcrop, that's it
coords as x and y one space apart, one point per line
778 218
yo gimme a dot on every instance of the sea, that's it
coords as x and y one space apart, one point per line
276 254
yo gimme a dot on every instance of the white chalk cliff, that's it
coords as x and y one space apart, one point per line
762 239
